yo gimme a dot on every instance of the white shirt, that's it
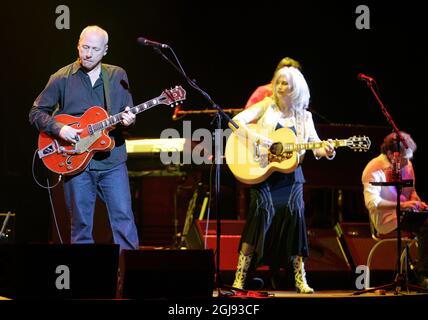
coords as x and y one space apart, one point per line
384 221
267 115
94 74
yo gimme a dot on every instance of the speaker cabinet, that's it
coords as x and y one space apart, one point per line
159 274
49 271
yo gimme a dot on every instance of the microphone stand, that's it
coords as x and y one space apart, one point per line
400 279
217 156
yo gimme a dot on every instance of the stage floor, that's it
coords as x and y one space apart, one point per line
330 304
324 294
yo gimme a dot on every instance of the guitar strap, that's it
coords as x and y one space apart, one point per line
106 84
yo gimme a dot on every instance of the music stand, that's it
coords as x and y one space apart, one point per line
400 279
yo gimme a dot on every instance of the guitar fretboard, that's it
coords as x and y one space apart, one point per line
290 147
113 120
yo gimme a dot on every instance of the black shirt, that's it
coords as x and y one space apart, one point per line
69 91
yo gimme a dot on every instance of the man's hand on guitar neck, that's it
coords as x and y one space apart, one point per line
69 134
128 117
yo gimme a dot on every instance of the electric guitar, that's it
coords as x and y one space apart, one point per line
65 158
251 162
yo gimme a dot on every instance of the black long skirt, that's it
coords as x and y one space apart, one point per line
275 224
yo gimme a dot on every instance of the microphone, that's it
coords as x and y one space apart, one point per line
176 111
363 77
147 42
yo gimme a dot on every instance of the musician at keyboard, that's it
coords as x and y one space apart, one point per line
381 200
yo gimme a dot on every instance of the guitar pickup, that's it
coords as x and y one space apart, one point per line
90 129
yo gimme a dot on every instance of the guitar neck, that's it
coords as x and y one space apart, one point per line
113 120
288 147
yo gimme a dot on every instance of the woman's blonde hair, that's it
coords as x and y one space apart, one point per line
298 93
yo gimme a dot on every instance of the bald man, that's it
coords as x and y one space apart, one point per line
72 90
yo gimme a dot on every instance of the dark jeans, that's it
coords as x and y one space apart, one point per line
112 186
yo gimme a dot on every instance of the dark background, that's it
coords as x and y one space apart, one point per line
230 49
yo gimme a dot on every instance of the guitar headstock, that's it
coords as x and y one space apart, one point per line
358 143
173 96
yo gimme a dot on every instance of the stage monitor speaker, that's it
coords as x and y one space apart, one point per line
50 271
163 274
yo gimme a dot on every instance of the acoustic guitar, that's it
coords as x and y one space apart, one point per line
251 162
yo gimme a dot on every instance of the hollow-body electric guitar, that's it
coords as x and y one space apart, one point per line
65 158
251 162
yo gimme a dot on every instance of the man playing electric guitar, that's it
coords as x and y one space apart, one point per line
72 90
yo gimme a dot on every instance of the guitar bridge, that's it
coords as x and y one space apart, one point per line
279 157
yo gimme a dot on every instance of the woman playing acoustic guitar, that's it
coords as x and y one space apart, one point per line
275 230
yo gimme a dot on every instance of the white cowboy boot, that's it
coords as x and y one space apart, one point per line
300 276
242 270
